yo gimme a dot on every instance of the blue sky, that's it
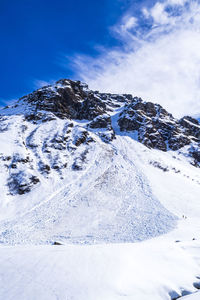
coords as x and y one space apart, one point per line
37 34
150 48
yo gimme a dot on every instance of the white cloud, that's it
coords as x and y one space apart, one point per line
159 14
162 66
145 12
129 23
123 29
178 2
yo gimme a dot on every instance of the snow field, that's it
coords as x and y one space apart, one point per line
147 270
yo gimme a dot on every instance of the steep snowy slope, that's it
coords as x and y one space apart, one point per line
72 167
101 194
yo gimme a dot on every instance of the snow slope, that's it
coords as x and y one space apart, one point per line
110 200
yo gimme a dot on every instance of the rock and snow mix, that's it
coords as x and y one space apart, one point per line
83 167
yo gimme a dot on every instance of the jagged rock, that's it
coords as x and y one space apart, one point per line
104 126
81 138
80 161
33 117
159 166
194 152
6 158
101 122
44 168
191 125
67 99
157 128
151 138
178 140
21 183
196 155
13 166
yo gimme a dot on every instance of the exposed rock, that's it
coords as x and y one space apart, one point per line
66 99
102 125
157 128
82 138
151 138
44 168
79 162
101 122
191 125
57 244
6 158
178 140
159 166
21 183
194 152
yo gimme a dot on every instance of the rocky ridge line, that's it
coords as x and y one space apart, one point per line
72 101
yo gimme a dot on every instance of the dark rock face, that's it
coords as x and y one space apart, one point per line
191 125
103 126
157 128
194 152
178 140
81 138
67 99
101 122
151 138
20 183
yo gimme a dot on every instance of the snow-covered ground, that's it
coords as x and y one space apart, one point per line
147 270
195 296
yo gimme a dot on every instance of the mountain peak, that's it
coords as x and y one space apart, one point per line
151 123
77 154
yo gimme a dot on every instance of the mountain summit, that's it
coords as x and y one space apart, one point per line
67 99
81 165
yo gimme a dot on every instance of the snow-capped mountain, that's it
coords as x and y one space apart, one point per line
82 166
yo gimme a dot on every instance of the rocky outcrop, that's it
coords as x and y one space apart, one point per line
66 99
191 126
157 128
103 127
21 183
194 152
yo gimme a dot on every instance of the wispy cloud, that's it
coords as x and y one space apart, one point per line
159 59
40 83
